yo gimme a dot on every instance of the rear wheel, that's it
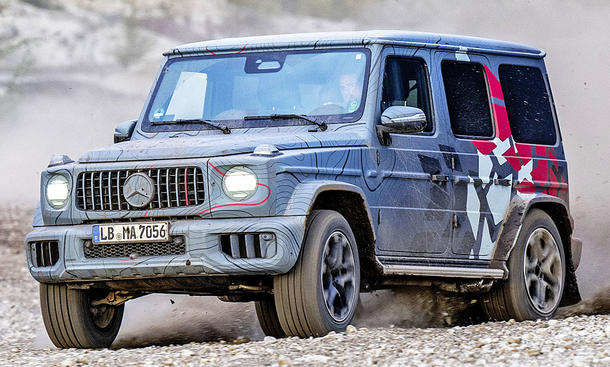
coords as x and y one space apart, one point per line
536 278
320 293
73 322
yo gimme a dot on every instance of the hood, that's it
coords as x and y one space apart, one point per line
216 145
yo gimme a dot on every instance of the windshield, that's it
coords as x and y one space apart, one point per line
324 85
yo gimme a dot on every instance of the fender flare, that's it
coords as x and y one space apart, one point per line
305 195
518 208
507 239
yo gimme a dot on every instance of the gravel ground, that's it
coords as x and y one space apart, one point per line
580 340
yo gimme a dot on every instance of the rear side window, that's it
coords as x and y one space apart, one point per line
528 105
405 83
467 99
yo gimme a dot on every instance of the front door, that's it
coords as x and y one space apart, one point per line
415 201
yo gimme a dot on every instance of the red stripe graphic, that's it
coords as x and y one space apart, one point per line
242 49
186 190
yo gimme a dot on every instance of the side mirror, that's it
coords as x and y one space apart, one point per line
400 120
123 131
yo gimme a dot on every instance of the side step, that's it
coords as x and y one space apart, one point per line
443 271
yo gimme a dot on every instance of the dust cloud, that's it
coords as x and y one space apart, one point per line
177 319
72 71
416 307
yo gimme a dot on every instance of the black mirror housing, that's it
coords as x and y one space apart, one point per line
124 131
400 120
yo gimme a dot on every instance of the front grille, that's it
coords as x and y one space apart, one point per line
101 251
44 253
246 246
174 188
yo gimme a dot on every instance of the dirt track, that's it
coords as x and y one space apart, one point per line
205 331
88 93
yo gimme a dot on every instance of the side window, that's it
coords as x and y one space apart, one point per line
467 99
405 84
528 105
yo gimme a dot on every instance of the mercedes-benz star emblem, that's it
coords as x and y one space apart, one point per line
138 190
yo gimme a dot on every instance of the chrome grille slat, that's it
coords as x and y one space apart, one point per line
83 193
110 189
184 188
92 190
176 187
169 201
103 190
118 188
159 188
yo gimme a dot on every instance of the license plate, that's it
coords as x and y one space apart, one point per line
131 232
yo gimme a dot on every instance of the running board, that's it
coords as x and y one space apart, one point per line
443 271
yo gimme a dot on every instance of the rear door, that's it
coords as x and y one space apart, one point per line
482 175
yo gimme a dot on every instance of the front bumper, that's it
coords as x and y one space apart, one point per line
203 253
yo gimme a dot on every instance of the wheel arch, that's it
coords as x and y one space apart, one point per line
349 201
559 212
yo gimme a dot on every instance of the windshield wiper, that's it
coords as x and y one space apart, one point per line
280 116
222 128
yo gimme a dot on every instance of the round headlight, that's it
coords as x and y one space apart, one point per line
58 191
239 183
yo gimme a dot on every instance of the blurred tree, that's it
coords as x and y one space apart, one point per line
15 48
44 4
329 9
133 43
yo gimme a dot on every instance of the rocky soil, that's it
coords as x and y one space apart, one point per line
205 331
87 65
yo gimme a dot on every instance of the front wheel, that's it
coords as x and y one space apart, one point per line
267 317
73 322
536 277
320 293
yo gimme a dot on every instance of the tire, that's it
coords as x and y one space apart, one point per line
537 271
267 317
320 293
69 319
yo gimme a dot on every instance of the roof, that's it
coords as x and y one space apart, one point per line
355 38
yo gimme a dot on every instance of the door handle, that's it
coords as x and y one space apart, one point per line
439 178
502 181
461 179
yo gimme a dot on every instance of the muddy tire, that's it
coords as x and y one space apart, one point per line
536 277
72 322
267 317
320 293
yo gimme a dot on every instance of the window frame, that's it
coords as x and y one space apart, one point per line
422 61
148 127
489 101
547 86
